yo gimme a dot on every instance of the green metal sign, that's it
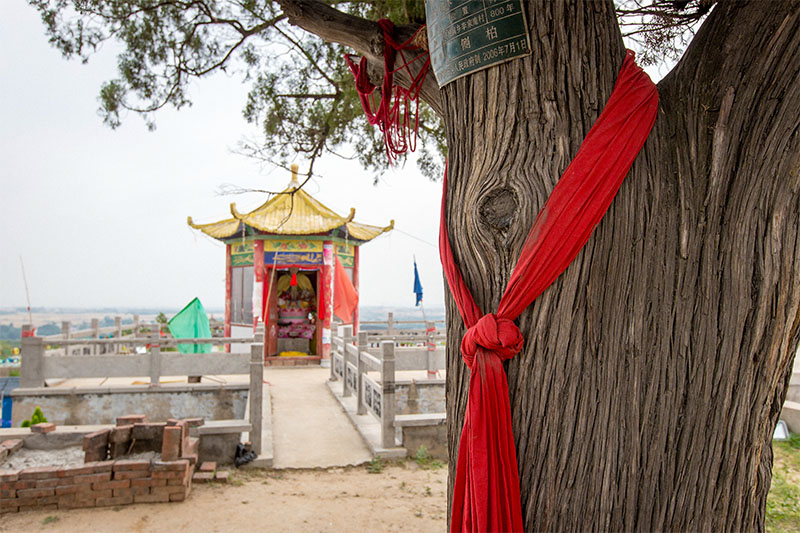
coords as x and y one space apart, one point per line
465 36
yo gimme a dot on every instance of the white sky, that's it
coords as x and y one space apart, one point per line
99 216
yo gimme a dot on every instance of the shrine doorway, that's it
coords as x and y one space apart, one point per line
293 308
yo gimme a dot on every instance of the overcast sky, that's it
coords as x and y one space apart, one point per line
99 216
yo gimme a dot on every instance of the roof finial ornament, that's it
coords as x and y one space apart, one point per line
294 176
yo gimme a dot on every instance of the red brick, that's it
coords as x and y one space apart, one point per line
65 490
194 422
158 482
116 484
208 466
171 443
92 478
37 507
192 458
131 474
48 500
131 465
177 497
93 456
44 427
96 440
133 491
40 472
168 475
222 477
151 498
102 494
120 434
77 503
114 500
47 483
12 475
180 464
183 480
12 445
203 477
102 466
75 471
24 502
35 493
25 484
10 507
131 419
8 493
144 482
167 490
190 447
147 432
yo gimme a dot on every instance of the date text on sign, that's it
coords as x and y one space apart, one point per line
465 36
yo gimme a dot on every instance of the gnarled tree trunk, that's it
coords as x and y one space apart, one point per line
655 367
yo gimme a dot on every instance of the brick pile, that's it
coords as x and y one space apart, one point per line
8 447
95 484
104 479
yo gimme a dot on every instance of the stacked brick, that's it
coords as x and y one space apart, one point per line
96 484
8 447
104 479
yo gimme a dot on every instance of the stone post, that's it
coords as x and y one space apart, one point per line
347 336
155 359
66 327
256 394
430 330
387 394
390 322
32 352
117 348
362 346
95 348
135 326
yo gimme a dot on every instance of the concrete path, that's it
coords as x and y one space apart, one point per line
309 428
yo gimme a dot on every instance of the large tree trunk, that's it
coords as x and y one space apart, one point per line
655 367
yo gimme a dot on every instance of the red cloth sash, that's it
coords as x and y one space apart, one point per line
486 496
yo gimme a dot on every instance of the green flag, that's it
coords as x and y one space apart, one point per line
191 322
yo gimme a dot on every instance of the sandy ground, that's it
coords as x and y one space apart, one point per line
403 497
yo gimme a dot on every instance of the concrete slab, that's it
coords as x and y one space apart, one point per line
309 429
368 426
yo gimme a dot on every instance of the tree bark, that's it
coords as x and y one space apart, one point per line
655 367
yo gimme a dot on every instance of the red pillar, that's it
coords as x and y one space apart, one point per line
355 284
227 294
327 294
258 282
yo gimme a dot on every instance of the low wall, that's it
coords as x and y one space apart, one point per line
103 405
419 396
97 484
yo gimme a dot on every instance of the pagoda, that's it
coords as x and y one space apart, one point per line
280 262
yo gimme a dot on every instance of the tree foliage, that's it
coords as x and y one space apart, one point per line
301 93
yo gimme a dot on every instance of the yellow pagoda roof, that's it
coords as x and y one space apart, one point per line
291 212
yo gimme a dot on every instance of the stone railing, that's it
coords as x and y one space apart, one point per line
40 364
354 357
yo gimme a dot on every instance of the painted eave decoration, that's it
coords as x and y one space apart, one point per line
292 212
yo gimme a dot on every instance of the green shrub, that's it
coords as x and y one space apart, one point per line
36 418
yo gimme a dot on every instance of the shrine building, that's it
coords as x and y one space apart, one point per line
280 268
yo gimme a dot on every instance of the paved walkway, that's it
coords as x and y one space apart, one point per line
309 428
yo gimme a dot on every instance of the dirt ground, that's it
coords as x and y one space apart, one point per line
402 497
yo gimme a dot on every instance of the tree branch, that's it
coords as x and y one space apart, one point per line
363 36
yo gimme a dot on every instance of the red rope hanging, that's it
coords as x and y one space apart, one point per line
393 114
486 495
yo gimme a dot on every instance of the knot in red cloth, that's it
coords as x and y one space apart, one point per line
498 335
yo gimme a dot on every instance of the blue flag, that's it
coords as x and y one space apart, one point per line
417 284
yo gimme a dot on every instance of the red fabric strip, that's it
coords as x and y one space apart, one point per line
486 495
